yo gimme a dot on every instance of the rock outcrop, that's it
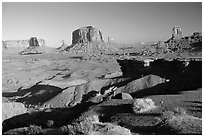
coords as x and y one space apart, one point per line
88 41
21 44
16 46
86 34
11 109
33 42
176 33
35 47
183 74
177 43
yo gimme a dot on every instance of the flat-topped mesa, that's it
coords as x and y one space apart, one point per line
21 43
86 34
88 42
35 47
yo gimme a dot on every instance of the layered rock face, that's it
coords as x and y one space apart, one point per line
88 41
86 34
180 74
177 44
20 43
16 46
181 44
33 42
35 47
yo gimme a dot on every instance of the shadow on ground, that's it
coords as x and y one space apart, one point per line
36 95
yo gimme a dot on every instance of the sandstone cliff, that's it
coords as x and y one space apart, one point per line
16 46
88 41
35 47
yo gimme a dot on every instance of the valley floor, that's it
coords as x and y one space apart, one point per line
38 80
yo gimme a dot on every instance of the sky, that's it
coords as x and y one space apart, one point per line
129 22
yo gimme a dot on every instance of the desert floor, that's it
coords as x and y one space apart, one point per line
56 72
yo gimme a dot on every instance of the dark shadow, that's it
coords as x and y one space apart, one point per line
160 89
76 57
39 118
89 95
36 95
198 107
29 53
108 110
59 116
182 77
142 123
66 76
194 106
196 110
134 54
118 84
199 102
58 69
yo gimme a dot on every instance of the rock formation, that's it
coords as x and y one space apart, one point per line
89 42
183 74
10 109
20 43
62 46
177 33
16 46
86 34
33 42
35 47
179 44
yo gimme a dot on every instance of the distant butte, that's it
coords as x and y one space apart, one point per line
86 34
89 42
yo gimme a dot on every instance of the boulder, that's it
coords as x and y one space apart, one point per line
123 96
113 75
142 83
11 109
76 92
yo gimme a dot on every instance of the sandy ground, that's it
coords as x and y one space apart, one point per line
21 73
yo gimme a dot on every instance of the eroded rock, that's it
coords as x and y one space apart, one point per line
88 42
142 83
86 34
35 48
10 109
123 96
176 32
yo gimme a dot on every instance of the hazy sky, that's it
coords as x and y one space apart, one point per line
124 22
